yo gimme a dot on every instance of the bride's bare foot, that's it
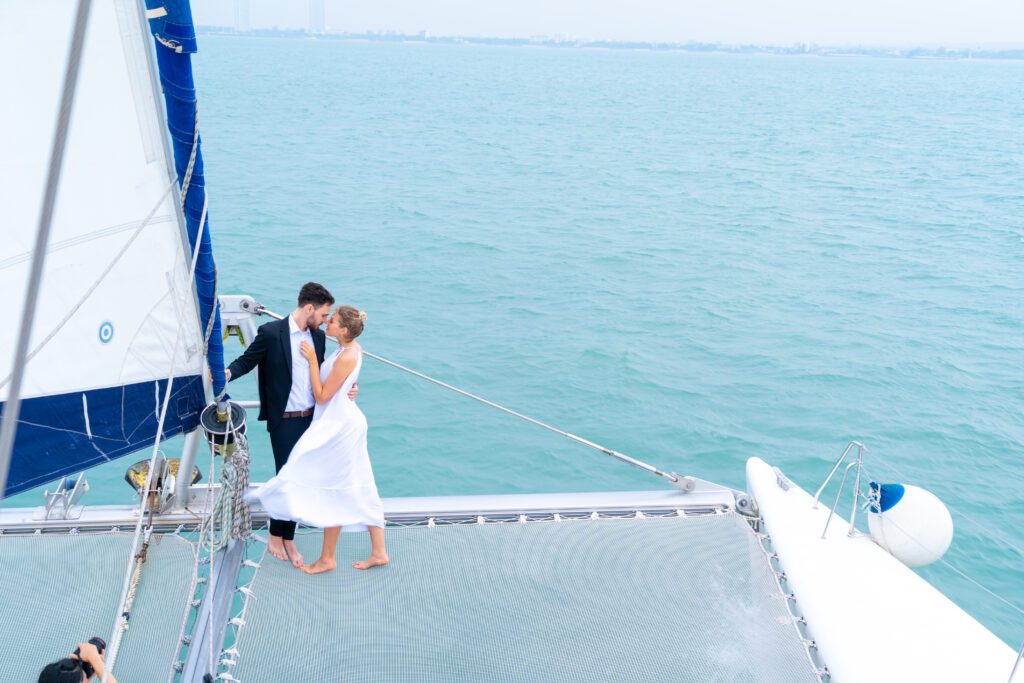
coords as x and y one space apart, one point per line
275 546
371 561
324 564
293 554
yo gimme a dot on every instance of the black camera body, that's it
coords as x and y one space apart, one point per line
101 645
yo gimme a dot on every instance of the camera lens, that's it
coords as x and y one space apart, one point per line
100 644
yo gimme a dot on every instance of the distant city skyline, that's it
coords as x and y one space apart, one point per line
951 23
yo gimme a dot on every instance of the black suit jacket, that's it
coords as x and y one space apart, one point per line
271 351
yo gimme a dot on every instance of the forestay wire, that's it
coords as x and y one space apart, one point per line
674 478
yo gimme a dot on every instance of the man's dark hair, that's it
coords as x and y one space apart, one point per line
316 294
62 671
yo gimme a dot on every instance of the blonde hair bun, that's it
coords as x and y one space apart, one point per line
351 318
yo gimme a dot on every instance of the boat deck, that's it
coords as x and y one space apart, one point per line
580 599
650 585
61 589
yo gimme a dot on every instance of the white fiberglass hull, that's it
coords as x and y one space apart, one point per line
873 619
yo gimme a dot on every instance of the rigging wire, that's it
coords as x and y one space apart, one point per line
962 574
954 568
674 478
998 538
121 622
262 310
870 501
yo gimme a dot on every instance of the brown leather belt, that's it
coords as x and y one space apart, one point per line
298 413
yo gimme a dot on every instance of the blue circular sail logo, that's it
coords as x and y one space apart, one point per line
106 332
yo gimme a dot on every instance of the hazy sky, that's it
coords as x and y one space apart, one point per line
880 22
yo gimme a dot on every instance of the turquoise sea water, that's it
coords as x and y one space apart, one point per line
689 258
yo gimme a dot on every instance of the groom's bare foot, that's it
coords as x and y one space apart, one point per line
293 554
324 564
371 561
275 546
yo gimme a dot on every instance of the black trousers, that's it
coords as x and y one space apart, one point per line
282 441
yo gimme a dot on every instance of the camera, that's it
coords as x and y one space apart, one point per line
101 645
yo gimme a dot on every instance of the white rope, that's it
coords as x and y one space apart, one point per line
186 184
245 604
975 582
230 515
186 180
572 437
790 609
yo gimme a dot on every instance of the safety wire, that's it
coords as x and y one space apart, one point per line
674 478
872 500
869 501
999 538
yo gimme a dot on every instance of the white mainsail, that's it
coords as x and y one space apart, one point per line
117 313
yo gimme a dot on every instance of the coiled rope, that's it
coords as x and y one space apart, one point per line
229 516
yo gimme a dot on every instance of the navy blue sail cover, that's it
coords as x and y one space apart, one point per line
175 39
58 436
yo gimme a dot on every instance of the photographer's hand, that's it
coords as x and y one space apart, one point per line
87 652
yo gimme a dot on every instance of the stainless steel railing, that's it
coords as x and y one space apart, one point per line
842 483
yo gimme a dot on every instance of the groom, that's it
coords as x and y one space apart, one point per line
286 396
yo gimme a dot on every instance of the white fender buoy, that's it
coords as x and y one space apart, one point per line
909 522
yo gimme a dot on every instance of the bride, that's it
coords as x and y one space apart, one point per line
327 481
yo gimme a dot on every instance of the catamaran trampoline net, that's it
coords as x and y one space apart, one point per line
62 589
652 599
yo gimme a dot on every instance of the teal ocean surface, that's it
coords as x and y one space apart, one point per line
690 258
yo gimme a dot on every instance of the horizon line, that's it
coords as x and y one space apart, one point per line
810 47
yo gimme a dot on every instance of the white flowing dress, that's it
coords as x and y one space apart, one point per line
328 480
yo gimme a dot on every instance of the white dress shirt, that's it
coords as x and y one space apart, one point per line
301 396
